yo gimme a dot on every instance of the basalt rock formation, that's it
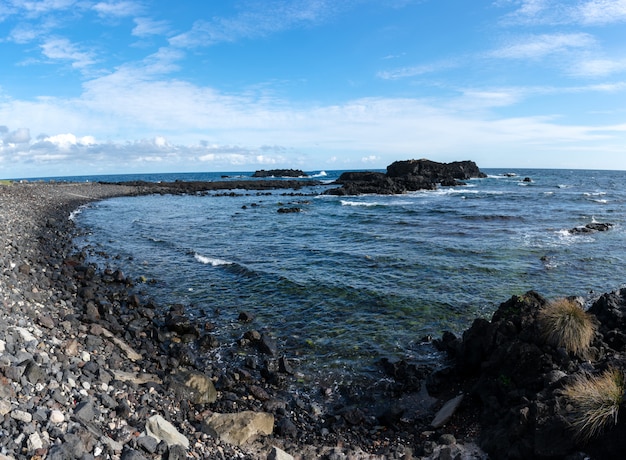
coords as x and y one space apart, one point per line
280 173
515 380
406 176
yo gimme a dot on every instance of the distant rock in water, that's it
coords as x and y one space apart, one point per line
280 173
406 176
592 228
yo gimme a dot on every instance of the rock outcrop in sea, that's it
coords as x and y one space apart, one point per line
280 173
406 176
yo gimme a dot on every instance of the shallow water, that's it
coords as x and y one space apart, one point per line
352 279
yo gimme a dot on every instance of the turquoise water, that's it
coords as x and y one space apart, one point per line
352 279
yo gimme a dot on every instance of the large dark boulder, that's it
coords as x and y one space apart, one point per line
513 377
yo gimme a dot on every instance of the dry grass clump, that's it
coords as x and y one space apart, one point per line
564 323
596 401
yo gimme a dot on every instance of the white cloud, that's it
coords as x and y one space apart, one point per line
25 33
118 9
67 141
598 67
370 159
599 12
146 27
539 46
63 49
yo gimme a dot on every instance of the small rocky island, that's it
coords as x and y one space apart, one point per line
280 173
406 176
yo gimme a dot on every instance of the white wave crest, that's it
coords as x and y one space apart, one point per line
210 260
76 212
320 174
359 203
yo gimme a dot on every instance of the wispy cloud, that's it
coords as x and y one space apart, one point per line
539 46
415 71
146 27
554 12
258 20
34 8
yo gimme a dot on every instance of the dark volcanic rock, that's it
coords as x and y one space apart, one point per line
280 173
406 176
592 228
461 170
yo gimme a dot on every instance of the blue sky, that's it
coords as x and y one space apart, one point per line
112 86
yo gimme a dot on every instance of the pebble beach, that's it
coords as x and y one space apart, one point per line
90 369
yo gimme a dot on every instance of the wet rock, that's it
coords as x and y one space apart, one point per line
592 228
290 210
245 317
446 412
284 366
268 345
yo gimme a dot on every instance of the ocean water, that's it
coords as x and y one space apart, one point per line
350 280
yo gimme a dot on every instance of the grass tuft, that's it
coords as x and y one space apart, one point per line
564 323
596 401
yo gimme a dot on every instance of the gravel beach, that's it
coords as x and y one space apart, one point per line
91 369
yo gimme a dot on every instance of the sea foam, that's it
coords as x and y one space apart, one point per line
210 260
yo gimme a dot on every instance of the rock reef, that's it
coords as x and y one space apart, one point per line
280 173
406 176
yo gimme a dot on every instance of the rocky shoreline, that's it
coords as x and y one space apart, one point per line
92 368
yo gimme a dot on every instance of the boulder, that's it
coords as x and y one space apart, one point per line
161 429
195 387
237 429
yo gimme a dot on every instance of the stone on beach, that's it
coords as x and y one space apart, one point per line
161 429
239 428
